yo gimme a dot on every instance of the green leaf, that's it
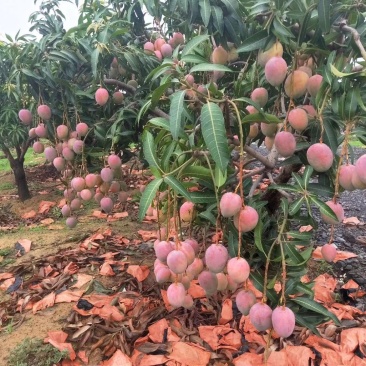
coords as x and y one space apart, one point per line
193 43
254 42
307 175
324 15
207 215
281 29
231 5
214 134
209 67
301 320
294 255
260 117
305 236
205 11
176 113
232 244
324 208
194 59
147 196
298 180
305 288
258 233
94 61
157 72
340 74
149 147
177 186
295 206
158 92
202 197
320 189
316 307
351 103
198 172
218 18
258 281
160 122
330 134
285 187
220 178
168 152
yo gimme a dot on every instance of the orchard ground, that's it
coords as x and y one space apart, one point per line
49 237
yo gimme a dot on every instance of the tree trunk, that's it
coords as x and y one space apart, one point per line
20 179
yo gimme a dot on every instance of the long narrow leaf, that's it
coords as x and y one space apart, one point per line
150 149
316 307
177 186
214 134
176 112
148 196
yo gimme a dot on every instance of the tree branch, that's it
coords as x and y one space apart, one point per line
122 85
268 164
356 37
25 147
160 113
8 154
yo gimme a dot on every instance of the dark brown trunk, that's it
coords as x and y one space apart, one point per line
20 179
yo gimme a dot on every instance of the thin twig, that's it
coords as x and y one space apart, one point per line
249 150
255 185
356 37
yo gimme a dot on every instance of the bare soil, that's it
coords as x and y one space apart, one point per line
47 240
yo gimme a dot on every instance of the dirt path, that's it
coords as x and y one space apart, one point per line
47 239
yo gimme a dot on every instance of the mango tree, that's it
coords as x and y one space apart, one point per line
209 83
287 74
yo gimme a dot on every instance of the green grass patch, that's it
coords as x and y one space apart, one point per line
32 352
30 160
6 186
355 142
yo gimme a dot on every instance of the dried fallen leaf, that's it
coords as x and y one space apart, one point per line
139 272
26 244
351 285
47 221
7 283
46 302
118 359
147 235
82 279
324 288
57 339
5 276
71 268
99 214
106 270
291 355
69 296
189 354
304 229
250 359
353 338
158 329
29 215
351 221
226 312
45 206
341 255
